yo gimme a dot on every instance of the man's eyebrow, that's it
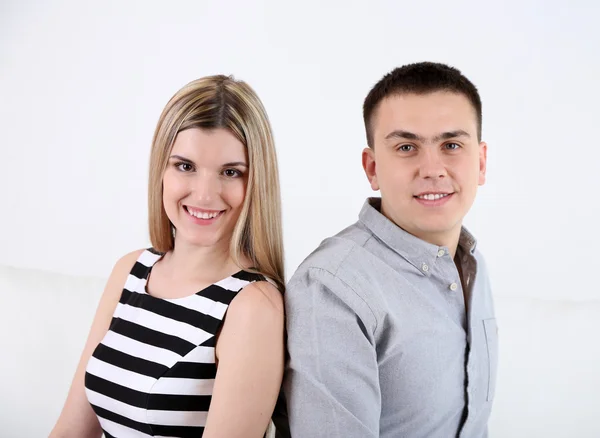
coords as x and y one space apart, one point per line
406 135
401 134
451 134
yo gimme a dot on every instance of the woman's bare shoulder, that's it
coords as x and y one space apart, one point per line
259 296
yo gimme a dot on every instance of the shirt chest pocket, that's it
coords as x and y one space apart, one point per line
491 339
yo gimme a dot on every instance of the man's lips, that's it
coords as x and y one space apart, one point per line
432 196
434 200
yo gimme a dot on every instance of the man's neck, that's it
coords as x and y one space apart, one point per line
448 238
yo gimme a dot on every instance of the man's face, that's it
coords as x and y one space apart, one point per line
426 161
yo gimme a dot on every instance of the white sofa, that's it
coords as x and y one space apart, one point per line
548 379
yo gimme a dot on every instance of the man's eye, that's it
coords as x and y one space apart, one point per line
232 173
406 148
184 167
452 146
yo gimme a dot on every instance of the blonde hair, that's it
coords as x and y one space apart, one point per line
215 102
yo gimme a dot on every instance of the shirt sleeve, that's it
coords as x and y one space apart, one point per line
331 382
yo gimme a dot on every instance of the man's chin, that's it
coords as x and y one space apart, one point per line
432 229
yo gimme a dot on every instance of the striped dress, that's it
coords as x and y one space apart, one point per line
153 373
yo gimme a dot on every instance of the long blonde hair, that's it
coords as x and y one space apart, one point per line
216 102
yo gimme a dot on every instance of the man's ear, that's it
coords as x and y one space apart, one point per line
368 162
482 162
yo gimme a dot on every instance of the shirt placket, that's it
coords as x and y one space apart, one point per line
469 266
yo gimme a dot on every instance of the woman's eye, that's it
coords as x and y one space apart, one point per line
184 167
406 148
232 173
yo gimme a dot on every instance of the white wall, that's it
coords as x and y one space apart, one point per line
82 85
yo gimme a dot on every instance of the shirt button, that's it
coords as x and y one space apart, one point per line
441 253
425 267
453 287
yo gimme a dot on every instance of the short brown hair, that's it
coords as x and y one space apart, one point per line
215 102
420 78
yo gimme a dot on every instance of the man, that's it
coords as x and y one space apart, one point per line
391 328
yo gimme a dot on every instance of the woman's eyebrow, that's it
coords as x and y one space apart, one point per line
179 157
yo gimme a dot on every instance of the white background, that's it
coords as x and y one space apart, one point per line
82 85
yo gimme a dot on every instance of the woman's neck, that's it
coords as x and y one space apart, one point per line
197 263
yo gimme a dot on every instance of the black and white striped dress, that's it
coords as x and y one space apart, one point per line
153 373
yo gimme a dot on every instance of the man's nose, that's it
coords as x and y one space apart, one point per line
432 164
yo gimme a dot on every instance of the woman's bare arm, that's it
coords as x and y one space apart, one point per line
77 419
250 352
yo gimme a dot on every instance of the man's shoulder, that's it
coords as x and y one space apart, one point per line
335 253
335 273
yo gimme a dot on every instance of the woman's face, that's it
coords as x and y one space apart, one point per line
204 185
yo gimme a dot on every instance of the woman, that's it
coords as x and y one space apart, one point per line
161 358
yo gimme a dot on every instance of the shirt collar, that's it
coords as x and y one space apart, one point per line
417 252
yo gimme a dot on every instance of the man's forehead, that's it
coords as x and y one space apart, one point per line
434 113
412 102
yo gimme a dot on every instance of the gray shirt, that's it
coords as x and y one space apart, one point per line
380 342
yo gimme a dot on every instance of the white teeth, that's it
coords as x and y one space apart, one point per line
203 215
432 197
